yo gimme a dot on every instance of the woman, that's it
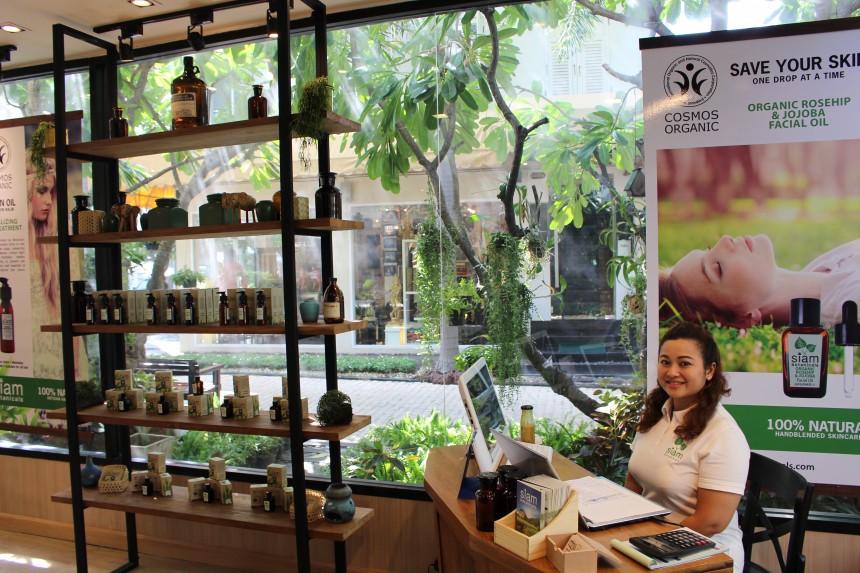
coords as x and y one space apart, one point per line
689 455
737 282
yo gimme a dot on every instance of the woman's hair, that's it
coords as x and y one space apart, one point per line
706 401
676 301
45 254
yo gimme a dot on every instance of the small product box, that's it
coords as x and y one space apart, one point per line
246 407
112 399
285 408
278 305
213 300
217 469
276 475
136 397
195 488
122 379
223 491
176 399
258 494
164 484
152 399
156 462
241 385
288 498
572 553
201 405
140 303
137 479
163 381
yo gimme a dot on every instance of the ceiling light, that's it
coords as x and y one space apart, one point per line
126 51
12 27
142 3
131 30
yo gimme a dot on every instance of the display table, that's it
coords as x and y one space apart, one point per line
464 549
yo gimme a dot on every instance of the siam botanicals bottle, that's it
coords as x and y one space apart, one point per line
223 310
805 350
7 318
151 309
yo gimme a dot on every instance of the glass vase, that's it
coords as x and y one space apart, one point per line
90 473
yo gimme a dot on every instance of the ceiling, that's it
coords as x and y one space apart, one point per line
34 46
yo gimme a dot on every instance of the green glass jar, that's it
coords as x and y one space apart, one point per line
211 212
178 216
159 217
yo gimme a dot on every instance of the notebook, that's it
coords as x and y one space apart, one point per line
603 502
652 563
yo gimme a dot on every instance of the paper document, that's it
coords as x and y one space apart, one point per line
534 459
603 503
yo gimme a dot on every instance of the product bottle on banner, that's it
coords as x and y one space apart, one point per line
805 350
7 318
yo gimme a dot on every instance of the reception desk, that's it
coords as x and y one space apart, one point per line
464 549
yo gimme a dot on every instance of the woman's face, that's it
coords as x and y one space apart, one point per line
735 274
682 372
42 197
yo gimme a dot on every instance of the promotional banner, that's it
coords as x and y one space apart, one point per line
754 200
31 365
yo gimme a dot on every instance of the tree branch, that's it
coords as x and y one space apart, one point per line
655 26
636 79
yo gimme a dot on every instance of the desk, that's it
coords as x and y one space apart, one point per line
464 549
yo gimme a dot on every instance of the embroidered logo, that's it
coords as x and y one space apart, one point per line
676 451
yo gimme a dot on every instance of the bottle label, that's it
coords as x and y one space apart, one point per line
169 315
183 105
8 331
160 408
104 315
226 315
188 315
150 314
241 314
331 310
89 315
803 360
261 314
117 315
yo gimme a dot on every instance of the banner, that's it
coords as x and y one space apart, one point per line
31 365
754 200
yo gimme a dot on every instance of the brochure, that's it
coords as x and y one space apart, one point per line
603 502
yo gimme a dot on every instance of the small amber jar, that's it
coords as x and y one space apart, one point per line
502 471
485 501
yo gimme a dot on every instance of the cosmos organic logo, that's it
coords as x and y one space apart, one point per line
5 154
691 80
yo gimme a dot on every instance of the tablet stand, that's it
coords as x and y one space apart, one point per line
468 484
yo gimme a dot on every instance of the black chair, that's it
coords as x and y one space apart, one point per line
767 477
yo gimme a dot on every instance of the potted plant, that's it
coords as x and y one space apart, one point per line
187 278
314 102
43 137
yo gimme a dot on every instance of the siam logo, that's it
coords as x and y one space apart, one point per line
5 154
690 80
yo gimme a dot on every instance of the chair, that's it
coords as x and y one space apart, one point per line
767 475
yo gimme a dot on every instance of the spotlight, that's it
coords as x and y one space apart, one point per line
195 30
6 55
126 51
271 24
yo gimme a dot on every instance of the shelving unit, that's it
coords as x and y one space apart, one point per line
104 153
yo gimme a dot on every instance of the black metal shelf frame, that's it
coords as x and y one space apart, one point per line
103 78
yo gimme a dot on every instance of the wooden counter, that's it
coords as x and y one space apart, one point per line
464 549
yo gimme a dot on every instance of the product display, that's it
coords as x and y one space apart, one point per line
333 303
189 99
805 351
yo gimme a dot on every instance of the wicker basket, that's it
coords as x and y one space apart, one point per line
301 208
90 222
114 479
316 501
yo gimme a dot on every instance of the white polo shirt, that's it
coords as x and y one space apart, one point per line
671 471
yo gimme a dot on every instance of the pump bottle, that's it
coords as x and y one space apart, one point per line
170 311
223 310
261 308
7 318
242 309
190 309
151 309
105 313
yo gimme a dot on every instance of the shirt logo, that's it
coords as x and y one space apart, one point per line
676 451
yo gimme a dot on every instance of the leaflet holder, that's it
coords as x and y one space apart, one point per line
468 484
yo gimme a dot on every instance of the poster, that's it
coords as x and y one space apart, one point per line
753 200
31 366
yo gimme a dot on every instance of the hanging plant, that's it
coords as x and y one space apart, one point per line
435 260
36 151
314 102
508 304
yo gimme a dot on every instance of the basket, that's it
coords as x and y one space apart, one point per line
316 501
114 479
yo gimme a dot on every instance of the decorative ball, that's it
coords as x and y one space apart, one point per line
334 409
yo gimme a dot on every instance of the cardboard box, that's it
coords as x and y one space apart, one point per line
241 385
164 484
152 399
176 399
139 297
571 553
201 405
217 469
213 300
276 475
122 379
285 405
156 462
246 407
163 381
137 479
136 398
258 494
195 488
223 491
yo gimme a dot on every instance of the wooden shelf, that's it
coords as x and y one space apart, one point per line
240 514
259 426
206 137
302 226
305 330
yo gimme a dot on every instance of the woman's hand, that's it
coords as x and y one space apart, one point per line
714 511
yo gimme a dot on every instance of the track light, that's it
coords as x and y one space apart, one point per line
128 32
195 30
6 55
271 24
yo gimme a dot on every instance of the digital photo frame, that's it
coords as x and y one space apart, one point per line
485 413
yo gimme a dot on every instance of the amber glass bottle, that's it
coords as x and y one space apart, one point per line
105 312
805 351
485 501
189 100
151 309
170 315
223 310
333 307
258 106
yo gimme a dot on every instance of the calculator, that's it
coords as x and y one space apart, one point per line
676 543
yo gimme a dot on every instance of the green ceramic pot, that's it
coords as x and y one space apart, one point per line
265 210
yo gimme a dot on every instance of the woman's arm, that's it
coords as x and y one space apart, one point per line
714 510
631 484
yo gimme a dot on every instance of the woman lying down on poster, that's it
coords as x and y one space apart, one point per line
737 282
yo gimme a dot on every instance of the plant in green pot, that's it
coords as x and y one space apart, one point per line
187 278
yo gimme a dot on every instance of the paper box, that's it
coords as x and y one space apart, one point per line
156 462
534 547
246 407
139 297
177 401
201 405
285 408
571 553
217 469
241 385
276 475
223 491
137 479
122 379
152 399
163 381
258 494
112 399
195 488
164 484
137 397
